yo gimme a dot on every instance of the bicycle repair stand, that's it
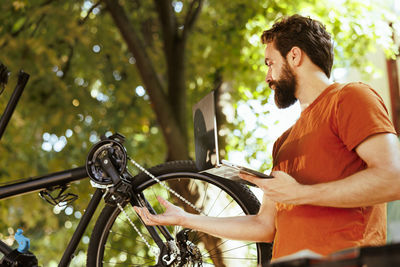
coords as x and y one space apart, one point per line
20 256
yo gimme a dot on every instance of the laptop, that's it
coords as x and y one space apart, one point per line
206 144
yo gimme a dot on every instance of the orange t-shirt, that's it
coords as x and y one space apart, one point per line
320 147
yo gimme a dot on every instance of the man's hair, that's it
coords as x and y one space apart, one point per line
307 34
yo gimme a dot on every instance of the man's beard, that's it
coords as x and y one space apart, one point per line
285 88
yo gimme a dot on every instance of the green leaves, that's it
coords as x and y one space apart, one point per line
84 79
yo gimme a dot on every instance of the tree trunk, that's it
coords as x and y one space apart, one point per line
174 133
170 108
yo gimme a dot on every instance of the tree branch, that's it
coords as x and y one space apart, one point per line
167 21
192 15
48 2
38 24
82 21
67 65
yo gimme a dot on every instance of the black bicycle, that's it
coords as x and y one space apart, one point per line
119 237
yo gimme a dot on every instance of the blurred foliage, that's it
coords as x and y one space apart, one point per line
84 83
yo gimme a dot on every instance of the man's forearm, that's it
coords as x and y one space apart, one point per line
368 187
378 183
260 227
249 228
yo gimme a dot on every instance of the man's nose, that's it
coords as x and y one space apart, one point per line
268 78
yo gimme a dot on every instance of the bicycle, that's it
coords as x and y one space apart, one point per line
119 237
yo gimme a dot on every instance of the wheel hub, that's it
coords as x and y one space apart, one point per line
189 252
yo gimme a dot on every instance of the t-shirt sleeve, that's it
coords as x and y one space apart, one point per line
360 114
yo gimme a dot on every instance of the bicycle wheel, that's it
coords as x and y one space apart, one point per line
114 242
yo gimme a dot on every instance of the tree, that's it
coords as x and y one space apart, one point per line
137 67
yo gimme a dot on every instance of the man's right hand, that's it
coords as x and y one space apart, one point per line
258 228
173 215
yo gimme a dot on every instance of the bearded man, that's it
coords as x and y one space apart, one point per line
334 169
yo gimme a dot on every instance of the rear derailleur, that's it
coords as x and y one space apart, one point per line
180 252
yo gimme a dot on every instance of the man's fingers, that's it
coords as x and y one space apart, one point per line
146 216
170 216
278 174
163 202
248 177
275 173
139 212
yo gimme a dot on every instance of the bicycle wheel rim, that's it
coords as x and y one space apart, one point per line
218 198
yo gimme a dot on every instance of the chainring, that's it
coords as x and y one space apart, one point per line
117 154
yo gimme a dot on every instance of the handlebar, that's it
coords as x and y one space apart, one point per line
4 73
23 78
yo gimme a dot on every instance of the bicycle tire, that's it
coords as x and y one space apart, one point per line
112 242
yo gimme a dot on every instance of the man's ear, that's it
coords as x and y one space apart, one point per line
295 56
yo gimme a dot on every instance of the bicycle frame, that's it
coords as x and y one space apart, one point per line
61 178
47 181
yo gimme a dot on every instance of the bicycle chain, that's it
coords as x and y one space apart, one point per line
165 186
152 249
156 252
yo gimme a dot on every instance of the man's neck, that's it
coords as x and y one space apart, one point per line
310 87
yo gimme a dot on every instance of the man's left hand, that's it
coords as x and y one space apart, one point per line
283 188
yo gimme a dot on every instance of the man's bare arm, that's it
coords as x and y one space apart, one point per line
378 183
258 228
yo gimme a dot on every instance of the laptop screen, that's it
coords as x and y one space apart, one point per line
205 133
